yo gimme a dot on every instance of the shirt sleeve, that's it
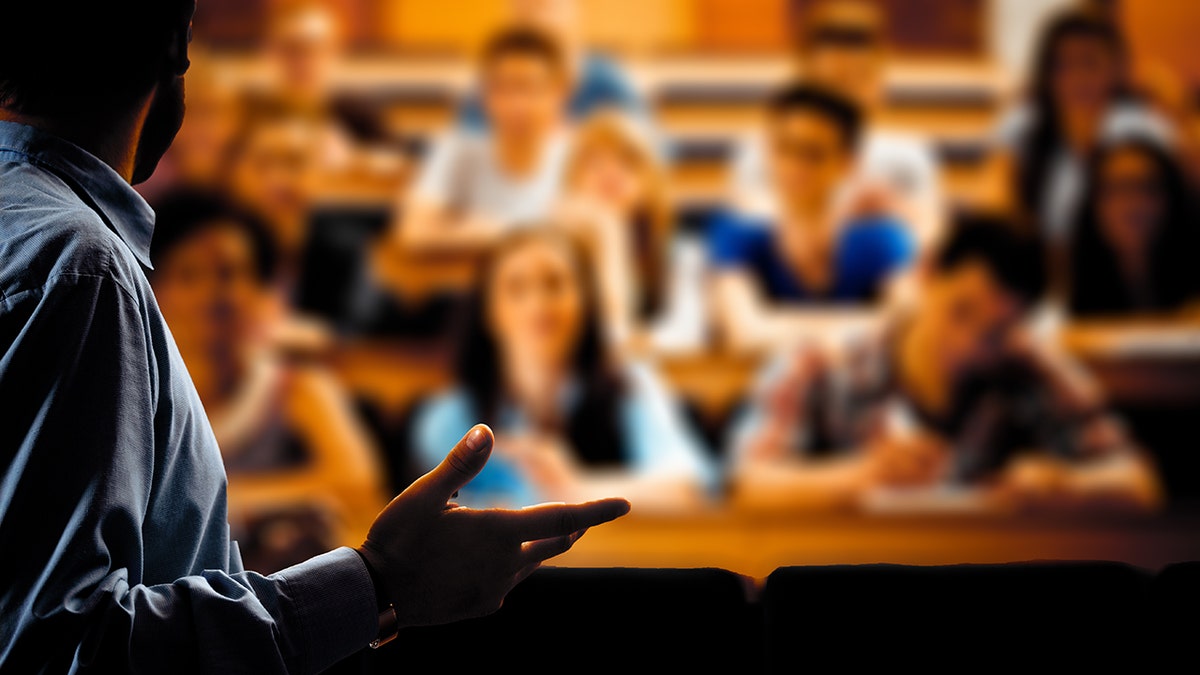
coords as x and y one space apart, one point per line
470 114
774 423
79 488
749 175
1010 131
731 244
436 182
661 444
608 85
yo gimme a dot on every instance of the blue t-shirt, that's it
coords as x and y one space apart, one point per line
867 253
602 85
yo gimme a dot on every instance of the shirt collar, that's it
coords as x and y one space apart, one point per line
102 188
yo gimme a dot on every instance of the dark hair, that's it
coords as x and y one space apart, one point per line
68 56
1045 136
1095 284
1008 247
592 427
185 212
839 110
523 41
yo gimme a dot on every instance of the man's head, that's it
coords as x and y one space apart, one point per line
524 78
975 294
813 137
75 63
843 47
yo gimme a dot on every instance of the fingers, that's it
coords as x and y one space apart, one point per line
547 521
534 552
462 464
525 572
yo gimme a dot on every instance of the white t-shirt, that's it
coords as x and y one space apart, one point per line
462 173
904 162
1067 173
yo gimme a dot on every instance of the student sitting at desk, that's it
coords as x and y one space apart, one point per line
273 170
814 254
598 83
952 391
476 185
569 419
1079 96
289 438
1134 245
843 47
616 202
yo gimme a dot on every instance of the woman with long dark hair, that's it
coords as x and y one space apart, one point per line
1134 244
1079 96
569 420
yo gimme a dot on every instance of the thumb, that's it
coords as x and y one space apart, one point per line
464 462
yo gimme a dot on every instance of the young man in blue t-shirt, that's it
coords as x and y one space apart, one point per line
816 252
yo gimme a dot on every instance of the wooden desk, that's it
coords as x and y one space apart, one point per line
755 546
1143 362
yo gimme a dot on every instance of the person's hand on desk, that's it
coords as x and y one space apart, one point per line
1035 482
437 562
906 460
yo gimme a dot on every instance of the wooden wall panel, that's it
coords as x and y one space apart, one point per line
1164 32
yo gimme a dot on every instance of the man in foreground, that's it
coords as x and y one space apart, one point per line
117 554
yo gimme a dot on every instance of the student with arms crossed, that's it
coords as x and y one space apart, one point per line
951 391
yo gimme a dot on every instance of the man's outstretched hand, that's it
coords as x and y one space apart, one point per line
438 562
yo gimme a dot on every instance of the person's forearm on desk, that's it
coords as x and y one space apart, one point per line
1125 480
750 323
426 227
799 484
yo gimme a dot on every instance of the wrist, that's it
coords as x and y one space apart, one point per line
374 569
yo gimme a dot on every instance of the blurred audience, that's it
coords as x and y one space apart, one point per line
291 443
1079 96
1133 246
478 184
273 169
814 252
616 200
197 158
843 47
551 171
596 82
571 420
304 52
952 391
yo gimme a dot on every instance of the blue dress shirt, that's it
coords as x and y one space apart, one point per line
114 548
867 253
